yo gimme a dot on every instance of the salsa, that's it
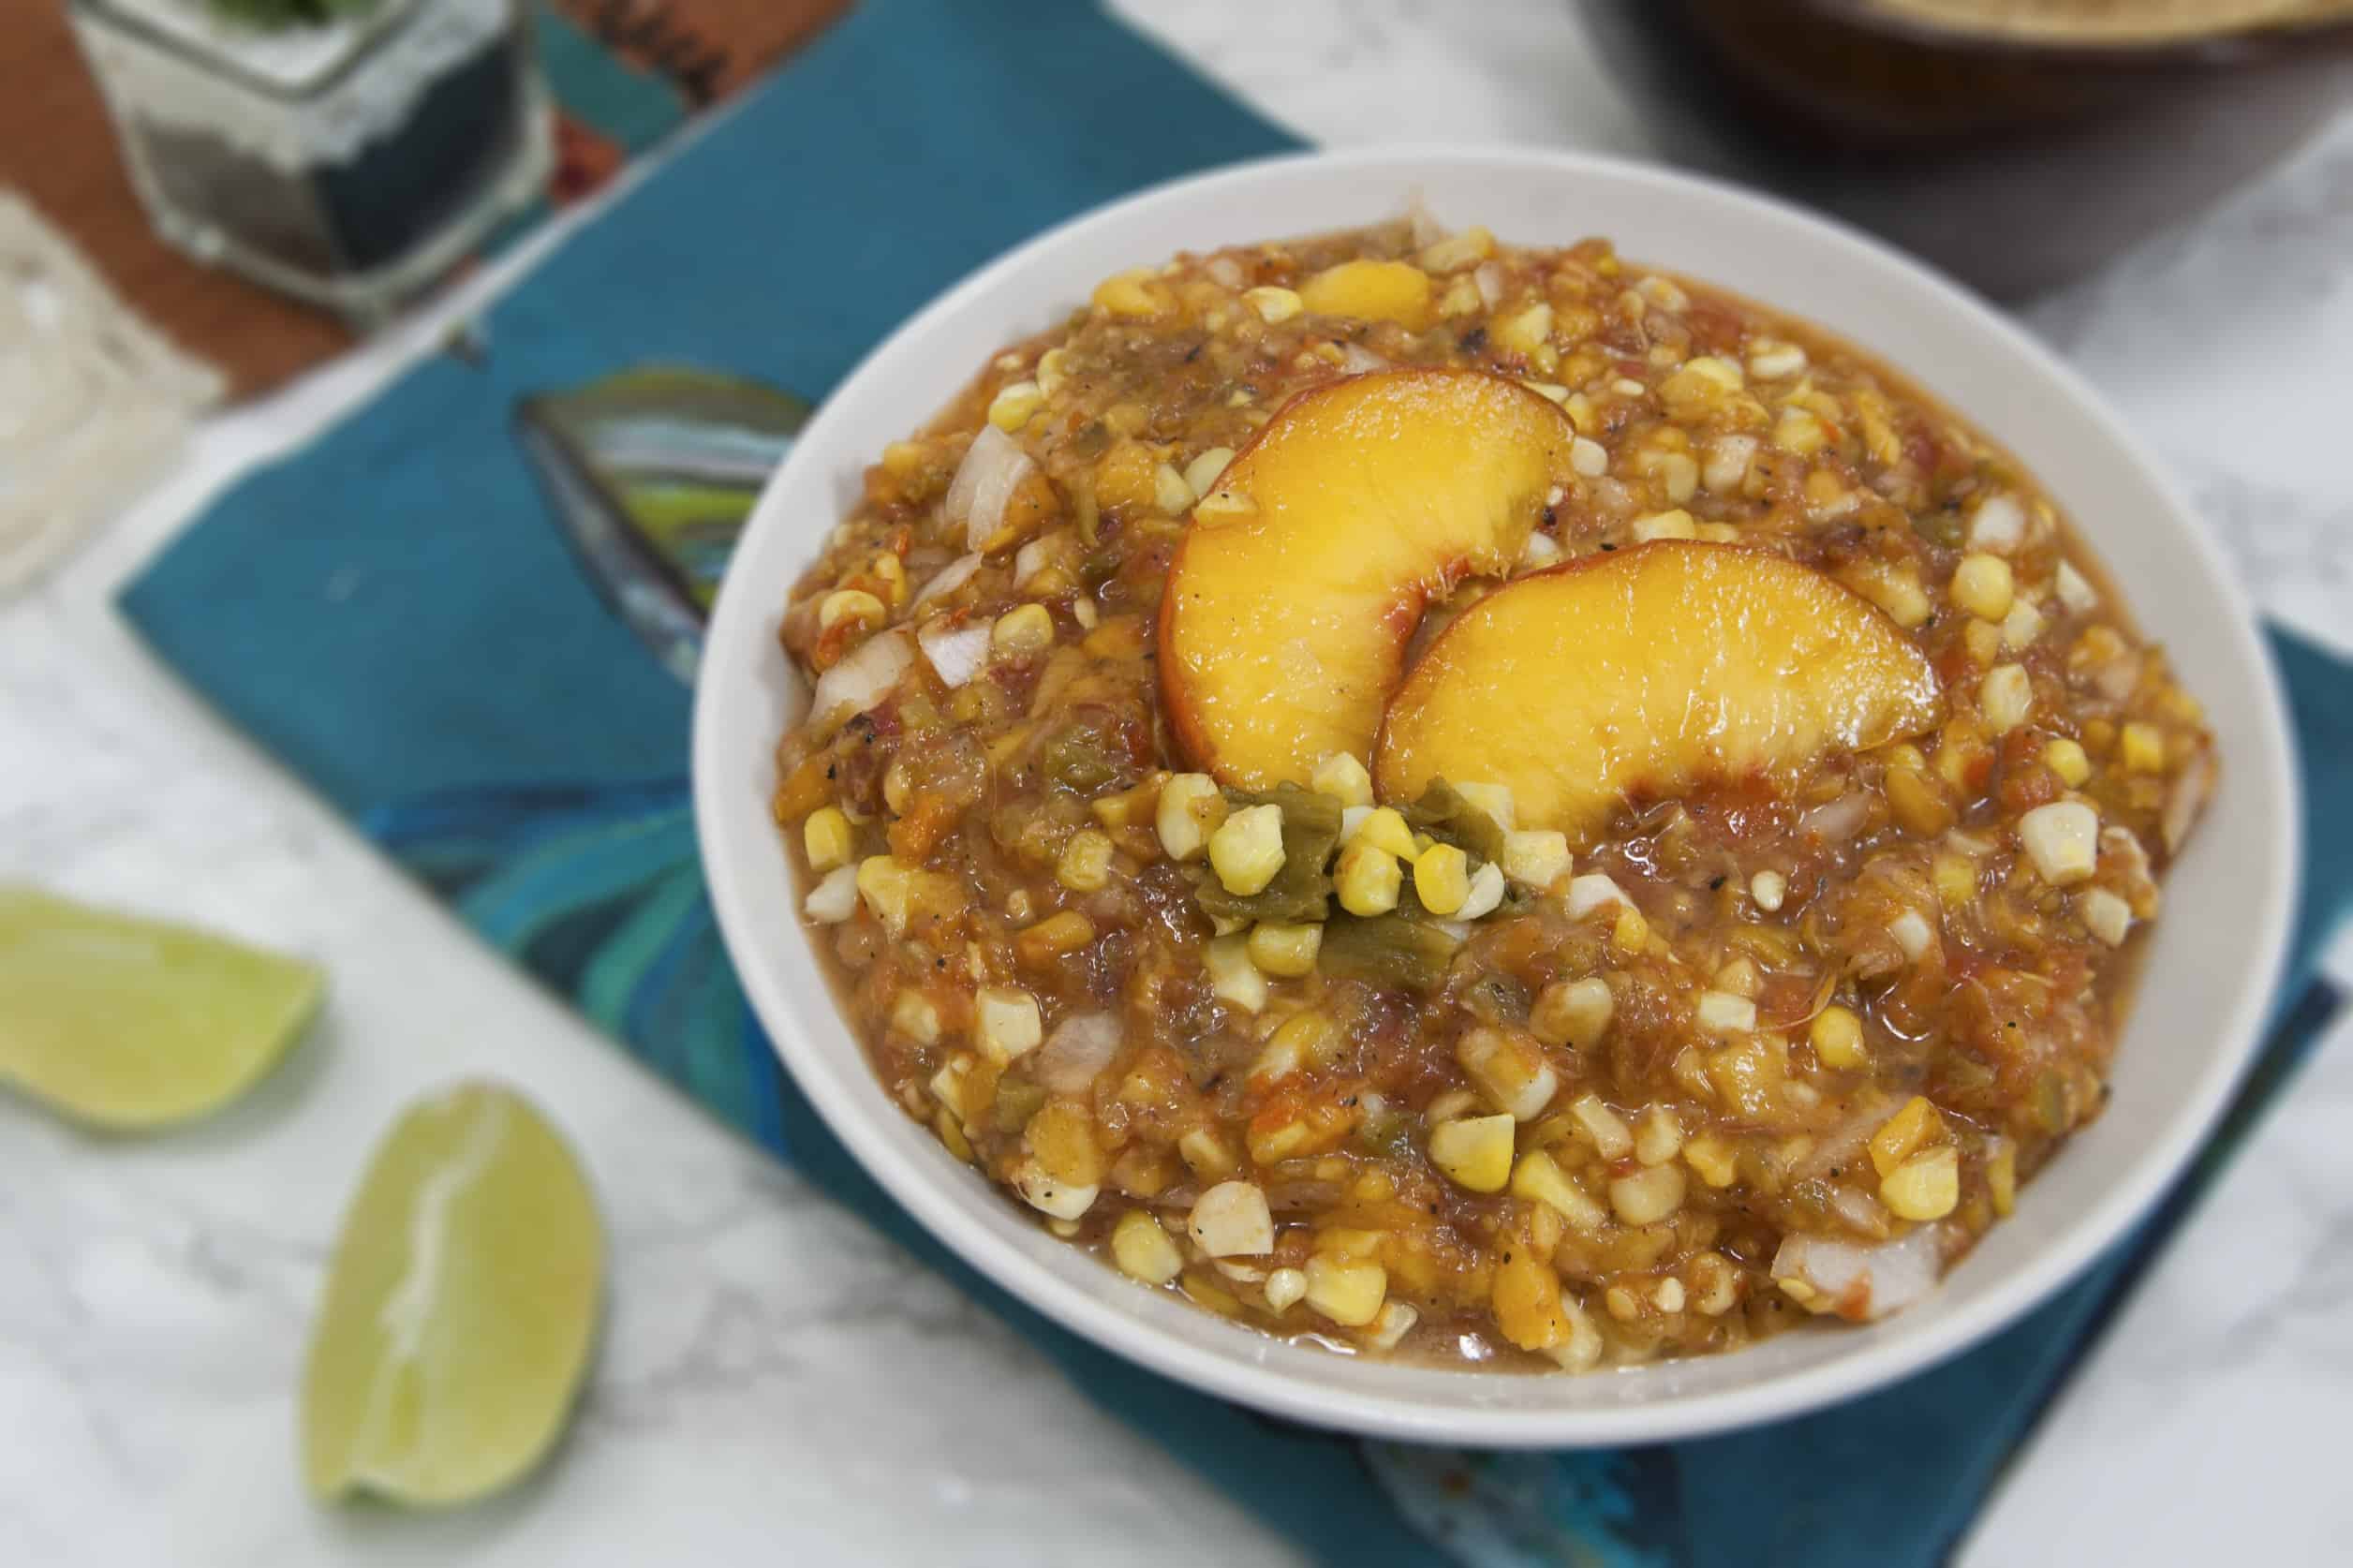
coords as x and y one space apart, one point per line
1446 1071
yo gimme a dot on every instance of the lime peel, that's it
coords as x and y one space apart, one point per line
127 1024
460 1307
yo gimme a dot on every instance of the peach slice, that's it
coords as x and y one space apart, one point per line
1645 673
1305 569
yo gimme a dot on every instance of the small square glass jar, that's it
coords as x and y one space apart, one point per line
348 162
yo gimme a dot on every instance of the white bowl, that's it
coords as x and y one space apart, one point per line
2217 950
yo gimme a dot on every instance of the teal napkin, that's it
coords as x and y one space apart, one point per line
464 615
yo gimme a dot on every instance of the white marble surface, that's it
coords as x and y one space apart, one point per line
776 1386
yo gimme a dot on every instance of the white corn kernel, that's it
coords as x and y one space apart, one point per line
1485 894
1272 305
1727 465
1573 1011
1059 1199
835 898
1285 1287
1913 933
2021 626
1343 778
1190 808
2063 840
1723 1012
1233 977
1658 1135
1537 857
1773 361
1232 1220
1245 850
1998 524
1026 629
1390 1324
1591 892
2005 697
1539 553
916 1017
1513 1074
2104 915
1612 1138
1495 800
2074 590
1084 864
1006 1022
1769 888
1588 458
1648 1195
1202 473
1539 1178
1665 524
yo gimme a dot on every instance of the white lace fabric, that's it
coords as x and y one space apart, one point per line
94 403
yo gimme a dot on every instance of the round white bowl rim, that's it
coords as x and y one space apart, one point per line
856 1109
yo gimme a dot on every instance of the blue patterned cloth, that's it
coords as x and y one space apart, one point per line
427 616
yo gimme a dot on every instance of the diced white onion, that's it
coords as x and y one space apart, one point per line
1839 820
1489 279
866 674
957 655
1355 360
1076 1051
984 482
1862 1281
949 578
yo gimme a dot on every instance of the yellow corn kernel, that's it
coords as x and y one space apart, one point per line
1285 950
1053 936
916 1017
1206 1155
2065 758
1573 1013
1343 778
1983 586
1143 1250
888 888
1371 290
1658 1135
1233 977
1201 474
1837 1035
1369 879
1539 1178
1798 430
1771 359
1631 934
1085 865
1648 1195
849 604
1493 801
1612 1138
1442 878
1384 829
2141 748
2002 1177
1983 640
1304 1040
1916 1124
826 836
1245 850
1006 1023
1455 252
1528 1305
1927 1186
1717 1161
1349 1294
1273 304
1190 808
1955 880
1526 332
1135 292
1026 629
1509 1069
1062 1138
1015 404
2005 697
1665 524
1895 589
1475 1152
1538 858
893 571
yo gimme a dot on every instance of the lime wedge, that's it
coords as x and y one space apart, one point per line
126 1023
459 1309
